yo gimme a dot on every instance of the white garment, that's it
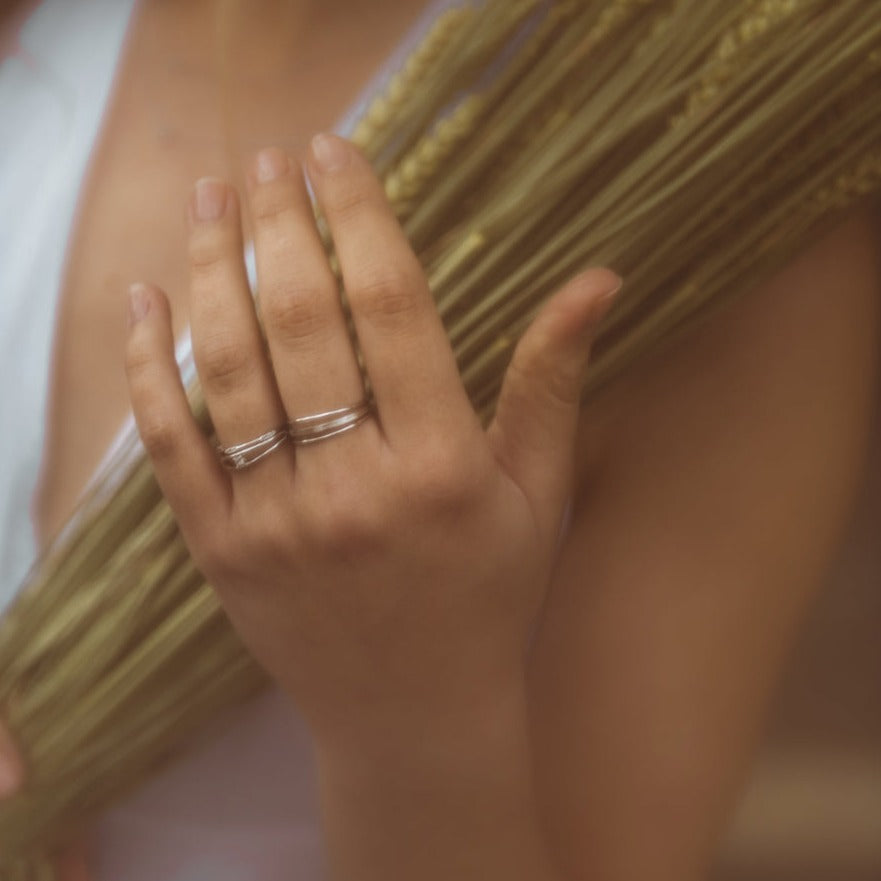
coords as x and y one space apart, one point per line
52 93
243 807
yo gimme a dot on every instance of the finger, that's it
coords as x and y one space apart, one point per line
533 432
185 464
11 766
316 369
406 351
231 360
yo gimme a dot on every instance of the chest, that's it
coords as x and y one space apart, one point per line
198 90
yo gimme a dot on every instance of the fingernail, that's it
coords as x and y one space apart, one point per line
330 152
10 777
209 199
614 289
138 303
270 165
605 300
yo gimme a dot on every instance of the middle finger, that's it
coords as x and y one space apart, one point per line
313 355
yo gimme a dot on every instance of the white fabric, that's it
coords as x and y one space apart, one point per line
243 807
52 92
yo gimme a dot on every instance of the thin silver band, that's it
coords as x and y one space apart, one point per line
244 455
304 430
320 426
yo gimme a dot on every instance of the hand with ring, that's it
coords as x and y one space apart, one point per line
381 557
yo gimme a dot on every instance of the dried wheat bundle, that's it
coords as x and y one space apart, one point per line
693 145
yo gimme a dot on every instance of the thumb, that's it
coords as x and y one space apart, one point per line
533 432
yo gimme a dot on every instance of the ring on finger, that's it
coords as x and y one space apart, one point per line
248 453
321 426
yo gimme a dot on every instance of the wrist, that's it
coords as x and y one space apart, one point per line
451 796
434 737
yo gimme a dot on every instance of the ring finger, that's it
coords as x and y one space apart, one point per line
234 370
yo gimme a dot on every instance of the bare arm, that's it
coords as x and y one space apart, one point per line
718 478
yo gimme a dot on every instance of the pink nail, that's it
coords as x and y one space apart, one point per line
331 153
611 294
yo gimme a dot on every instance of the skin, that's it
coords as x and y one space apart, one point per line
340 522
717 480
355 571
661 638
178 114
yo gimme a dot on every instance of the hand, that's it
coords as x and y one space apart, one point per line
71 862
395 570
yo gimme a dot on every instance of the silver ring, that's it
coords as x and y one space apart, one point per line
320 426
244 455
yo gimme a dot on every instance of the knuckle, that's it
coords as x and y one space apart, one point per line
348 200
271 206
224 363
387 295
209 250
342 525
159 434
139 358
544 382
295 313
441 480
560 389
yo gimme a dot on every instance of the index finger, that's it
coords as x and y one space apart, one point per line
406 352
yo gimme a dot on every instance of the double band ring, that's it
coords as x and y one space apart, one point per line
244 455
301 431
320 426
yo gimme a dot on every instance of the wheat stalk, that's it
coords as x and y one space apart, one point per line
405 84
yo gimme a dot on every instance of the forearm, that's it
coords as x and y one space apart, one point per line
434 798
